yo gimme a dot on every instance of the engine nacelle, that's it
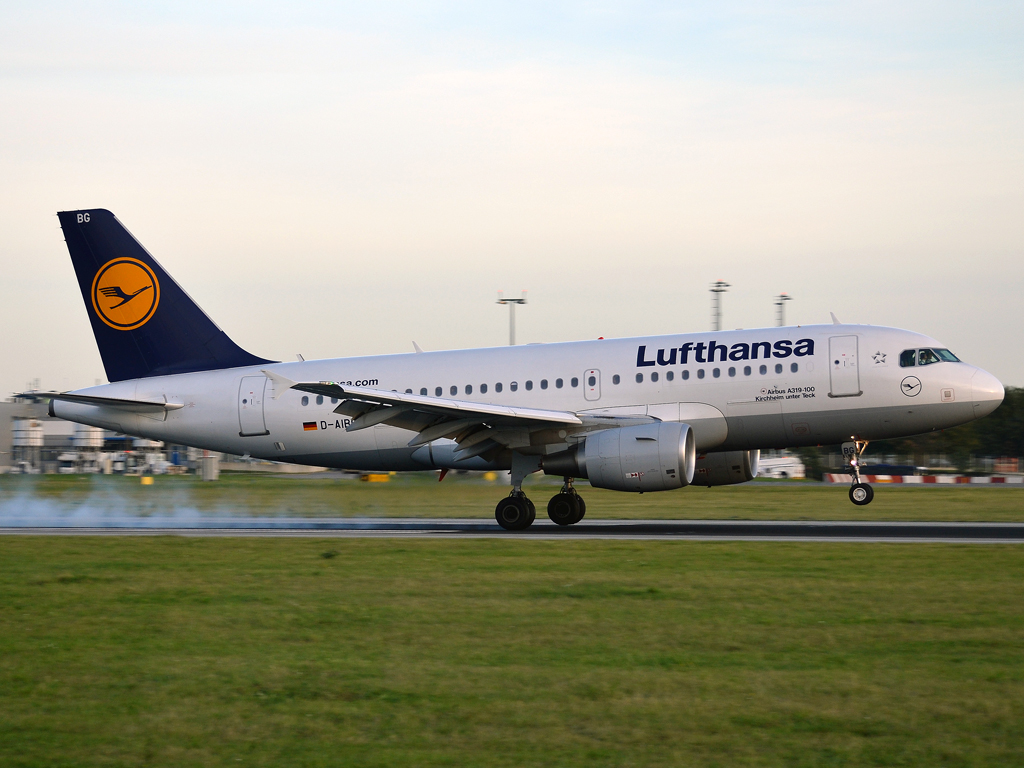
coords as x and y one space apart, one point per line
646 457
726 467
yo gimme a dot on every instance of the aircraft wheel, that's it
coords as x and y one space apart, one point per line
564 508
514 513
861 494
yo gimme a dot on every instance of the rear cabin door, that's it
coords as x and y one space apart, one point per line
845 373
250 406
592 384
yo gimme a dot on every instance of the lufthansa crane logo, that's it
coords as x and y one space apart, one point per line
125 293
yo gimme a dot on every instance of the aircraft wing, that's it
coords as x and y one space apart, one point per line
477 427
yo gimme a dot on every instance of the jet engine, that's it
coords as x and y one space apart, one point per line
726 467
646 457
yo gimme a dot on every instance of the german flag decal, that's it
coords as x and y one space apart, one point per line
309 426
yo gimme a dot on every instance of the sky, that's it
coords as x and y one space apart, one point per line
333 179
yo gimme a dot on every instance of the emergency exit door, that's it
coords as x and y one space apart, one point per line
592 384
844 371
250 406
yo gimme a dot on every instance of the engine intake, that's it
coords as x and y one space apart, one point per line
646 457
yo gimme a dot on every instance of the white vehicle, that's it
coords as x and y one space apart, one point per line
781 467
643 414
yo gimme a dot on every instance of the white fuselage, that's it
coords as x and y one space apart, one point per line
848 383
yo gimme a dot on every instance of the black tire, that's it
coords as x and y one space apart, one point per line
564 508
533 511
861 494
583 507
513 513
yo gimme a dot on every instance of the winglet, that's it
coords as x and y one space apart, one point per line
835 320
281 383
416 347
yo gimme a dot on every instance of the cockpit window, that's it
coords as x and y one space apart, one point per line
908 358
927 357
946 356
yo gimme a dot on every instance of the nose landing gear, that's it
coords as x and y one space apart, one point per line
567 507
860 492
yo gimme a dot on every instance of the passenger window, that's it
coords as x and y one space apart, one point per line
732 372
497 387
423 390
778 367
716 373
639 378
763 370
437 392
670 375
616 379
408 391
304 400
320 399
514 386
574 382
794 367
483 389
700 373
591 381
543 383
558 383
469 389
686 375
746 370
927 357
654 376
454 390
908 358
529 385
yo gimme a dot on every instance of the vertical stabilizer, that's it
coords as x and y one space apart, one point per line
144 323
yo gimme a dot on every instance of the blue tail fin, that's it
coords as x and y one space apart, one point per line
145 324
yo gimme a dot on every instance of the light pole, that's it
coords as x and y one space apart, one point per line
717 289
780 308
511 314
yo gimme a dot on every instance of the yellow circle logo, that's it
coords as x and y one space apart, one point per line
125 293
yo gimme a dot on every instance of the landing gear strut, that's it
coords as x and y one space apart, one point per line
567 507
860 492
516 512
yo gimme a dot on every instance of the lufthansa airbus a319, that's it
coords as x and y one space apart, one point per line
645 414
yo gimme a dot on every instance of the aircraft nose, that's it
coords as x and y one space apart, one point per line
988 393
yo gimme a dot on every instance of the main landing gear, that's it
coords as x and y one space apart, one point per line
516 512
860 492
567 507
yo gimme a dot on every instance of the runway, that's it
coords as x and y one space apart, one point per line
544 530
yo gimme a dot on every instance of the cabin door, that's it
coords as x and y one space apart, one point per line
844 372
250 406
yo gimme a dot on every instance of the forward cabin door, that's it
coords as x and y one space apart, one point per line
250 406
845 373
592 384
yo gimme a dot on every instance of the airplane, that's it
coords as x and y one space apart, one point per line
634 414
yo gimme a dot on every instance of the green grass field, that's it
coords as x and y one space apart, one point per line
176 652
420 495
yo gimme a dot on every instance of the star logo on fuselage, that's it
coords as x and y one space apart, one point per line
879 358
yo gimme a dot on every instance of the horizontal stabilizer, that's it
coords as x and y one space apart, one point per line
133 406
